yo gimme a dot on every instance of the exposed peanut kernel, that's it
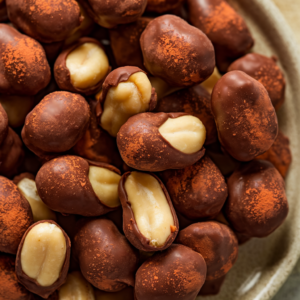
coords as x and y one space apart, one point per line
161 87
211 81
186 134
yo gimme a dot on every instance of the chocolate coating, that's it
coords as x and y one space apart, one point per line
10 288
125 43
64 186
257 202
195 101
279 154
175 274
56 124
106 258
244 114
31 284
266 71
24 69
142 147
177 52
112 13
3 11
217 244
3 124
198 191
15 216
130 227
212 287
162 6
45 21
224 27
62 74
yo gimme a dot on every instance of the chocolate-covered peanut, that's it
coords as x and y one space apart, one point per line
212 287
195 101
224 27
112 13
162 6
125 294
56 124
24 68
160 141
43 258
177 52
82 67
15 216
198 191
149 219
177 273
106 258
70 185
266 71
257 202
45 21
245 117
217 244
126 91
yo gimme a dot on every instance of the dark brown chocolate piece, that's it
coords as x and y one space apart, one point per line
130 226
56 124
162 6
217 244
257 202
3 11
198 191
142 147
112 13
3 124
125 43
106 258
244 114
177 273
212 287
45 21
31 284
177 52
195 101
52 50
15 216
279 154
266 71
62 73
224 27
24 69
10 288
64 186
21 176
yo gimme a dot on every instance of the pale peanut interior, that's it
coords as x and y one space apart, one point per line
211 81
125 100
151 210
43 253
186 134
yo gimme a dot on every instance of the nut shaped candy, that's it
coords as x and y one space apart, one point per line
161 6
24 68
149 219
177 273
177 52
106 258
159 141
15 216
245 117
70 185
257 202
43 258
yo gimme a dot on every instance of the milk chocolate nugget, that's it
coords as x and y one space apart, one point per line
161 6
266 71
24 68
43 258
72 185
56 124
224 27
159 141
198 191
257 202
149 219
112 13
106 258
177 273
177 52
45 21
245 117
82 67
